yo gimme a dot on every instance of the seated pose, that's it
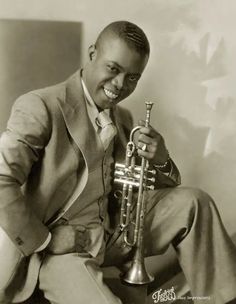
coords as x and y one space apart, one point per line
57 212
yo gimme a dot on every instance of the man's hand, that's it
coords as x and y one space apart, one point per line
155 151
67 239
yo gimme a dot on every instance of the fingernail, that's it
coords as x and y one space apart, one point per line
80 228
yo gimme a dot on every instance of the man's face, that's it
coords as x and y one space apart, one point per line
114 71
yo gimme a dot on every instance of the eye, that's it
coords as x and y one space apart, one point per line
133 78
112 69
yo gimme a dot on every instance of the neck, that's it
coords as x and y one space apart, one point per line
84 76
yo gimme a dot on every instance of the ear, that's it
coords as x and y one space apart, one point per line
92 52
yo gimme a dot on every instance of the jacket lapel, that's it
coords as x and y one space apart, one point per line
74 111
75 114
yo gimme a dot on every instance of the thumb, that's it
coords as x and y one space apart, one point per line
141 122
80 228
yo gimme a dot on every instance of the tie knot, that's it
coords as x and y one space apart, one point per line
103 119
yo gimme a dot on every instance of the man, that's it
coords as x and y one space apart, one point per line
57 156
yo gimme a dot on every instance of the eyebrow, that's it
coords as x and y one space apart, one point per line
117 64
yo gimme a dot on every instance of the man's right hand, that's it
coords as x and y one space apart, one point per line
67 239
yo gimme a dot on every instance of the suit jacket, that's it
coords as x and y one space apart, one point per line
48 135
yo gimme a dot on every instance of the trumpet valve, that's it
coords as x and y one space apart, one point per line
151 179
153 172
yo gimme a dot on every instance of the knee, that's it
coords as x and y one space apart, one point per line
195 198
55 265
193 193
183 199
190 197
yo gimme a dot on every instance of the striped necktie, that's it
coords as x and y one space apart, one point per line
106 130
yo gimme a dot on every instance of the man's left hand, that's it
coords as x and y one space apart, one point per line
68 238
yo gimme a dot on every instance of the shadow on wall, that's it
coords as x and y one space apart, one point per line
179 81
196 110
35 54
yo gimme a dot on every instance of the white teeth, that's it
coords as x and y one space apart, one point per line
110 94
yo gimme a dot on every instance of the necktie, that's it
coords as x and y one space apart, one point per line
106 130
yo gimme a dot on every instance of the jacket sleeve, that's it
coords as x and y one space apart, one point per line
21 145
168 179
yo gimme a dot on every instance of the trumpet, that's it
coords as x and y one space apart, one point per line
132 177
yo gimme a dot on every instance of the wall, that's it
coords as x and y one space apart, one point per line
32 52
190 77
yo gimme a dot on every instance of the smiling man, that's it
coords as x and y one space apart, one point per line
56 182
115 66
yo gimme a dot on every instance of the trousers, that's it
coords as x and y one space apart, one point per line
188 219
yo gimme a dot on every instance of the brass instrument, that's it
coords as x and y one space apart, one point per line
133 176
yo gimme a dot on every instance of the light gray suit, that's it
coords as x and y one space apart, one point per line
49 134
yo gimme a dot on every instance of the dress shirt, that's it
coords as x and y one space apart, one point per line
101 121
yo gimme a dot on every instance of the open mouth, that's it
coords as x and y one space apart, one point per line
110 94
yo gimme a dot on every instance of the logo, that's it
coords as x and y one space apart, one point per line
163 295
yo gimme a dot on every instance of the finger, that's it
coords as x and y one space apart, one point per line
143 146
147 155
62 241
142 124
81 242
80 249
80 228
63 232
145 139
56 248
149 132
147 148
82 237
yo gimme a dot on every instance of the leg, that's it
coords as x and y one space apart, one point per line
70 279
189 220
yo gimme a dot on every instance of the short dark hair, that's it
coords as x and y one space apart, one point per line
129 32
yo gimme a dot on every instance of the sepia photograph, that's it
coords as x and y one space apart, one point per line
117 152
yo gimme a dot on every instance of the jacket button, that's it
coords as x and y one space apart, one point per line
19 241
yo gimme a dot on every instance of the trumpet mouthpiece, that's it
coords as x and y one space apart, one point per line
149 105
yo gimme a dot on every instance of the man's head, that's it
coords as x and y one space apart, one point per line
116 62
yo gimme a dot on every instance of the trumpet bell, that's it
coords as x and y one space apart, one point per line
137 274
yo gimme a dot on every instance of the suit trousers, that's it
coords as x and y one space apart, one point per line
188 219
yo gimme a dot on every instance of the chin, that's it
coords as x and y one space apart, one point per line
106 104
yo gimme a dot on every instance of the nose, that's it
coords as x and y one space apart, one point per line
118 81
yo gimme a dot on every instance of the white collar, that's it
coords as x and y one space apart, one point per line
91 106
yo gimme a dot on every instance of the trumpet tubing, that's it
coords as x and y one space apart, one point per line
135 177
